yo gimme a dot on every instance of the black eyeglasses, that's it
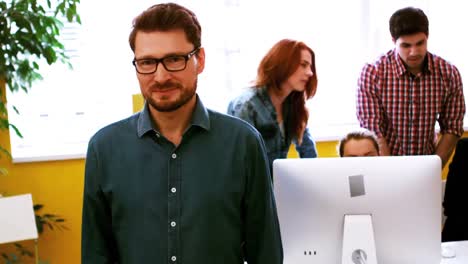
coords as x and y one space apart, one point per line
173 63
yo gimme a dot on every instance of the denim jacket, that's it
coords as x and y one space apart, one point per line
255 107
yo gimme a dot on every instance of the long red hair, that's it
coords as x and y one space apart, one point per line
281 61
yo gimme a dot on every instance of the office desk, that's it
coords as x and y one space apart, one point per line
455 252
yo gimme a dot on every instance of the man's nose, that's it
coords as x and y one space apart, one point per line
161 74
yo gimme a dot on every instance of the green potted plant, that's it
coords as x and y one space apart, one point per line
29 34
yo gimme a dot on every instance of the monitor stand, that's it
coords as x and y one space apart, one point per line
358 240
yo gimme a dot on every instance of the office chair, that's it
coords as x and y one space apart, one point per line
456 195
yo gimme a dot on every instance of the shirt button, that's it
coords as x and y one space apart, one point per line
174 155
173 190
173 223
173 258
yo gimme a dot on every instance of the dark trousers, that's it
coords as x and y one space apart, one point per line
455 228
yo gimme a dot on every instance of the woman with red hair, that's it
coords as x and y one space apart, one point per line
275 105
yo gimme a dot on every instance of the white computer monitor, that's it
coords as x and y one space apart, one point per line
402 195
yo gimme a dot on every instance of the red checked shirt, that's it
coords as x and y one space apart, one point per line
404 108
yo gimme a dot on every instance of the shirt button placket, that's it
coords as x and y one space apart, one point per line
173 208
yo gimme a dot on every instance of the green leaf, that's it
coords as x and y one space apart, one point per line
37 207
49 216
16 130
60 8
70 15
15 109
39 226
5 152
3 172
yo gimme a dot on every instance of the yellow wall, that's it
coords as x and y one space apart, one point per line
325 149
138 102
59 186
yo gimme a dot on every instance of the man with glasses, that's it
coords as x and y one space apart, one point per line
177 182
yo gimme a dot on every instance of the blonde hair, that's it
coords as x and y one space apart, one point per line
358 135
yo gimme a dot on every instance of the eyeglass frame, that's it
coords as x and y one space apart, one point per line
161 61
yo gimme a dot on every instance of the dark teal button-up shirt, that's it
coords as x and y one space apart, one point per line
148 201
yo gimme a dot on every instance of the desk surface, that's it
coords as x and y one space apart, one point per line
454 252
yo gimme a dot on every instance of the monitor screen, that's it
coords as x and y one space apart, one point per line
401 194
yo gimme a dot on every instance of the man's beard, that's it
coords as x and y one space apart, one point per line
186 95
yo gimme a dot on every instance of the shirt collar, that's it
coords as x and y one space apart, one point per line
265 97
266 100
400 67
200 118
263 92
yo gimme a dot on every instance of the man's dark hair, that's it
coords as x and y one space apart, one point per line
407 21
166 17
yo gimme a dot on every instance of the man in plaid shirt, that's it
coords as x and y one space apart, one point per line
402 95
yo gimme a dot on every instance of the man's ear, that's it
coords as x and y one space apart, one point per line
200 60
393 40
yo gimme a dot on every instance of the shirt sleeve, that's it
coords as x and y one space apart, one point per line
451 118
368 106
262 233
307 149
97 244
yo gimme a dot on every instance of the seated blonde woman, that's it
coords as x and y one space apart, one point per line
362 143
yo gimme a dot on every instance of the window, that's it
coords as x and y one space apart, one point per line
60 114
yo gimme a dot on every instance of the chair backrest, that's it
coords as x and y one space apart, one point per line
456 190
